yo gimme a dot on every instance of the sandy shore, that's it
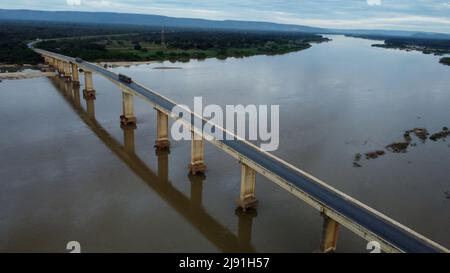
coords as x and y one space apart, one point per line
25 75
167 67
123 64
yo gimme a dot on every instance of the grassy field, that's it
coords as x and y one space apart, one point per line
155 51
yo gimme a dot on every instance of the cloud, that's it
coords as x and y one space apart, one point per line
374 2
73 2
423 15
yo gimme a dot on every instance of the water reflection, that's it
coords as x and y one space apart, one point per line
245 225
163 164
128 139
190 208
196 189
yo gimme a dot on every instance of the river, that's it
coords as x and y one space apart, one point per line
67 177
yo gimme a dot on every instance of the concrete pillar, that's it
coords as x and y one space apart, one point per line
76 96
75 75
67 72
59 67
68 89
197 164
88 91
162 131
330 234
128 140
127 119
247 197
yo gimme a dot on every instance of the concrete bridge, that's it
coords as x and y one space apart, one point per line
190 208
337 208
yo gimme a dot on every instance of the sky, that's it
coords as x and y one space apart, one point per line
418 15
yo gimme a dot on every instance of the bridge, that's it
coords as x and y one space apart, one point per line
337 208
190 208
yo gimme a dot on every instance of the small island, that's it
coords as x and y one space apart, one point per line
445 60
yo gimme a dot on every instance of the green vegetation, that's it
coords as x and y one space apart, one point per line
437 47
182 45
15 35
445 60
138 43
427 46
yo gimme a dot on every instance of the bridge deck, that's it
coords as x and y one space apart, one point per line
349 212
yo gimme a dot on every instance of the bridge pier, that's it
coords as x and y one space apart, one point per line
88 91
330 234
61 69
75 75
58 67
68 89
162 131
67 73
247 199
76 96
127 119
197 165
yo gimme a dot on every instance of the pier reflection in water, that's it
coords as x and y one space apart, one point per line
190 208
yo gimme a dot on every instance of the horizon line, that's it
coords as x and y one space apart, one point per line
229 20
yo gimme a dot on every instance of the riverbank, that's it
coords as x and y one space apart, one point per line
423 49
437 47
122 63
28 74
181 46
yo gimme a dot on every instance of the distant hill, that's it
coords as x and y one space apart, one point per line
158 20
145 20
391 33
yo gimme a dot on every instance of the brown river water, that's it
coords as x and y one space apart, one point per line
68 172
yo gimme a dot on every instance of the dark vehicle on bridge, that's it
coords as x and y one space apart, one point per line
125 79
78 60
